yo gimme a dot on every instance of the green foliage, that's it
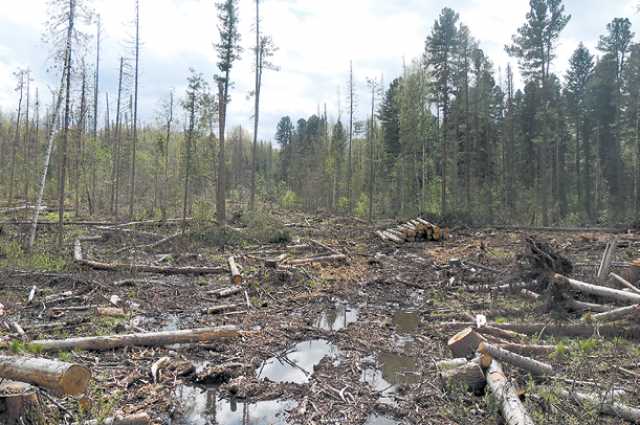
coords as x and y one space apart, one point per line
362 206
289 200
202 211
13 255
265 228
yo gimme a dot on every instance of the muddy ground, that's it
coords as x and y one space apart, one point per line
351 342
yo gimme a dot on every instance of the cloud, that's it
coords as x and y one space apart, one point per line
316 40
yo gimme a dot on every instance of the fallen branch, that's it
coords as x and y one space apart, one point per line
625 282
150 339
617 314
536 367
586 330
137 419
321 259
59 377
143 268
606 405
605 263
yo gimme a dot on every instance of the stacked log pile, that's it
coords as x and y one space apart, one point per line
414 230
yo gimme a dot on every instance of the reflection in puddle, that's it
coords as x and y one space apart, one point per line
390 371
297 365
374 419
337 318
200 407
406 321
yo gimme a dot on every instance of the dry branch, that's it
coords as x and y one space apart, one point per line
320 259
606 405
625 282
617 314
601 291
236 277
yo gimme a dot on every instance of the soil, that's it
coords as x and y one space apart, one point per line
350 342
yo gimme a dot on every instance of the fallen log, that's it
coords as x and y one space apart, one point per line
321 259
219 308
529 349
617 314
137 419
392 237
504 392
110 312
606 405
150 339
585 330
601 291
624 282
447 364
142 268
236 277
536 367
584 306
226 292
465 343
59 377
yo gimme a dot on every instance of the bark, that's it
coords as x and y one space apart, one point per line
531 365
554 329
59 377
132 180
615 294
625 282
256 116
505 394
320 259
236 277
529 349
150 339
469 374
223 87
226 292
605 263
19 402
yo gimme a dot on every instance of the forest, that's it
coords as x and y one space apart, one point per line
456 243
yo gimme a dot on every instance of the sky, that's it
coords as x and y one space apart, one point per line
317 39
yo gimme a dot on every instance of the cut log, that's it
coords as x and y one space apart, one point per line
59 377
585 330
529 294
601 291
513 411
110 312
447 364
606 405
236 277
529 349
617 314
625 282
137 419
32 294
219 308
143 268
605 263
226 292
536 367
469 374
321 259
19 404
392 237
584 306
150 339
465 343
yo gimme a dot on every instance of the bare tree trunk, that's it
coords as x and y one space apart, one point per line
79 164
16 141
187 165
165 190
223 87
115 152
96 94
67 115
350 168
371 157
132 180
256 117
26 150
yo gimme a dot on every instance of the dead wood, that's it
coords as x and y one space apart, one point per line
236 277
544 259
605 263
149 339
605 404
465 343
320 259
617 314
59 377
503 390
615 294
19 402
137 419
585 330
468 374
624 282
536 367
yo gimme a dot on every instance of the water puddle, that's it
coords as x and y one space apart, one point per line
375 419
337 318
390 371
202 407
296 366
406 321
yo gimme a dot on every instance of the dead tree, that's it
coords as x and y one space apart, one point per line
132 179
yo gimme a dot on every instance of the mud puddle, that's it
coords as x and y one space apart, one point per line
297 364
387 372
203 407
406 321
338 317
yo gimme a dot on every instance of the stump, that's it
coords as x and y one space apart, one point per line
465 343
19 404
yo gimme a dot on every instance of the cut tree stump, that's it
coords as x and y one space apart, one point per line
601 291
513 411
19 404
59 377
536 367
149 339
465 343
236 277
469 374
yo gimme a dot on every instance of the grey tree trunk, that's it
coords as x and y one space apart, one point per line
132 180
256 117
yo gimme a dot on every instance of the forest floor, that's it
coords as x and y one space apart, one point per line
351 342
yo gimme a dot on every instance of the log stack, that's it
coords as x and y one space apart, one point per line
414 230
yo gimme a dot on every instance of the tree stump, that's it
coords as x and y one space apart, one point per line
19 404
465 343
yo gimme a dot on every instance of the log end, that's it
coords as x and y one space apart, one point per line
465 343
76 380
